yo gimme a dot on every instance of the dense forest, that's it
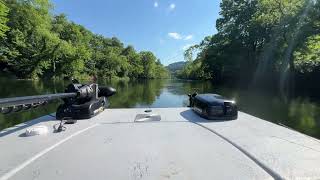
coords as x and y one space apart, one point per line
262 43
37 44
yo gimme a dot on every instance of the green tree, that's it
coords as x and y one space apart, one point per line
149 63
259 41
307 59
74 48
3 19
30 43
40 45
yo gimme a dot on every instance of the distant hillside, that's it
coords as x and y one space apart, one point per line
176 66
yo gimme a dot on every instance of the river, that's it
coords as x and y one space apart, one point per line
299 113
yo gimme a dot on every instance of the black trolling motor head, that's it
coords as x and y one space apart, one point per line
81 101
89 101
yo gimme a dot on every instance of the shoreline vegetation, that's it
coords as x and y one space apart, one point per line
263 44
35 44
259 43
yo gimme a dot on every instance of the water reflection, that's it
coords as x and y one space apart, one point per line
139 93
298 113
305 116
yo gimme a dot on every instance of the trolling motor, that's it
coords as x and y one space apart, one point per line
81 101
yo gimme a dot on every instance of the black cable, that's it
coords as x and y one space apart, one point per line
61 126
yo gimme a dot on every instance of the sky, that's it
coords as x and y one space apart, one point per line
165 27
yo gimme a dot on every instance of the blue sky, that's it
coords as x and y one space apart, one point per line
165 27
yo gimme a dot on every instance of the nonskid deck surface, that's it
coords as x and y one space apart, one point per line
179 146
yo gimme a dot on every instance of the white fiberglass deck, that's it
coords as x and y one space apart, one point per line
179 146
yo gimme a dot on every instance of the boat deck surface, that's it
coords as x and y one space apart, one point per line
181 145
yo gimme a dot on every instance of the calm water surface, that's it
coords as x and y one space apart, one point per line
299 113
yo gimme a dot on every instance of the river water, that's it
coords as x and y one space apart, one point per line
299 113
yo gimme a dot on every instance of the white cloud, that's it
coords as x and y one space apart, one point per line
175 35
188 37
178 36
172 6
156 4
185 47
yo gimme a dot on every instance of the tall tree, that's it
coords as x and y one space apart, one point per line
3 18
260 41
40 45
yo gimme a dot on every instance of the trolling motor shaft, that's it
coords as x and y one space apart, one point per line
16 101
16 104
81 101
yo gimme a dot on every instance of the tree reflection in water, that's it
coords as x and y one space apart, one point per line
299 113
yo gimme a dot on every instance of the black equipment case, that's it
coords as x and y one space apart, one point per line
213 106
